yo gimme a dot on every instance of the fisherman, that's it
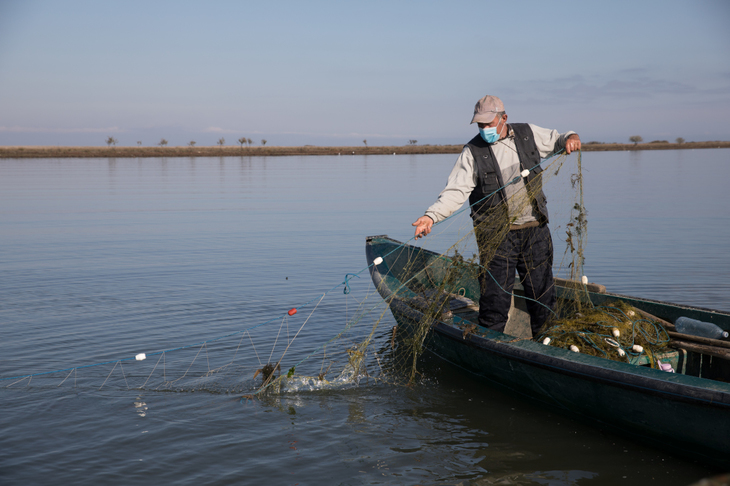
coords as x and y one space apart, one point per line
486 166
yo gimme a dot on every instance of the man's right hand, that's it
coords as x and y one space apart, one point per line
423 226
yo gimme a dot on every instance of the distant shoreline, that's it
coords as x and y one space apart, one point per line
46 152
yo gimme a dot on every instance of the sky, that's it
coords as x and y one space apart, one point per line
337 73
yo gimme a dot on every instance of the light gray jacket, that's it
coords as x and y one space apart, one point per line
463 177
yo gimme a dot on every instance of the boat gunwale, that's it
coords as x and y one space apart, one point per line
610 294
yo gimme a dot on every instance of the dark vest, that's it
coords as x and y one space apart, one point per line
489 175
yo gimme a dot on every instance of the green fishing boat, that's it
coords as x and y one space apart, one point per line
686 411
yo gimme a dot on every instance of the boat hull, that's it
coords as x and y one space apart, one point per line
687 415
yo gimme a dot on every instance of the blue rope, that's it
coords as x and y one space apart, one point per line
346 290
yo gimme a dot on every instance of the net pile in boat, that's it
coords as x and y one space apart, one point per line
615 331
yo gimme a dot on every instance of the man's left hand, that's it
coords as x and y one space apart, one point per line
572 143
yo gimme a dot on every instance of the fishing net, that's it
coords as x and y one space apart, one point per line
614 330
443 286
438 282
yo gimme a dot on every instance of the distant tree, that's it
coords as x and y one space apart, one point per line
139 143
680 140
636 139
221 142
249 141
191 143
111 141
365 142
242 140
263 141
412 142
162 143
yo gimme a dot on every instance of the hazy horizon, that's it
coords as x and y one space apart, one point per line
330 73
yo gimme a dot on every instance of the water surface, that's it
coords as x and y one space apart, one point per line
102 259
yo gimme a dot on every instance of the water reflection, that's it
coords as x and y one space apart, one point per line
635 157
559 478
356 413
140 407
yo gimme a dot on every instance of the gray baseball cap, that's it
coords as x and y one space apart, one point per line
486 109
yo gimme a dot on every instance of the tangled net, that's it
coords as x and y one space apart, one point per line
615 331
448 285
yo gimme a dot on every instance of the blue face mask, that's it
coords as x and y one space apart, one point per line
490 134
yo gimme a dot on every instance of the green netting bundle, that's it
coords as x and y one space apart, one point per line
615 331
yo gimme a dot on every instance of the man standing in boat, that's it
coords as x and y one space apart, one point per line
483 173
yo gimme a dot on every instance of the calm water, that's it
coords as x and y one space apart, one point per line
102 259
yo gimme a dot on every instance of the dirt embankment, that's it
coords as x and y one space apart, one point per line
229 151
605 147
36 152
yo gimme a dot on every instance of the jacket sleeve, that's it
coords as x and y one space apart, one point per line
459 185
549 141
